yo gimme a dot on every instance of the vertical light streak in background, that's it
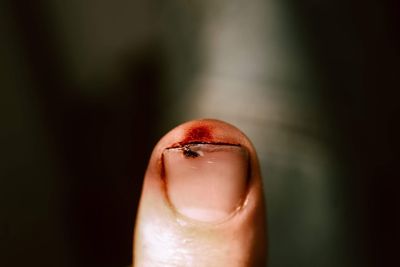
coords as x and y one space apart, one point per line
253 73
240 61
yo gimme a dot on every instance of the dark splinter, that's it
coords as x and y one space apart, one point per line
189 153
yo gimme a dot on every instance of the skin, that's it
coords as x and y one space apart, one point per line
164 237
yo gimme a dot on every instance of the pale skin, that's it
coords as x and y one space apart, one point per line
164 236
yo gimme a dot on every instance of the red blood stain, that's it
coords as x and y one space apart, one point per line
200 133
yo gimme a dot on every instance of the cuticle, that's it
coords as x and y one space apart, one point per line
180 216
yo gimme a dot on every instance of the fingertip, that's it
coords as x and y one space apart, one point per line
198 181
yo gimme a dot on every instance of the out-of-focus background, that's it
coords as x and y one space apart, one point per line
88 87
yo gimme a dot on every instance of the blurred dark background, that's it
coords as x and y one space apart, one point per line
88 87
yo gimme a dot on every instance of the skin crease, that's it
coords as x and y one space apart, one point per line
163 237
